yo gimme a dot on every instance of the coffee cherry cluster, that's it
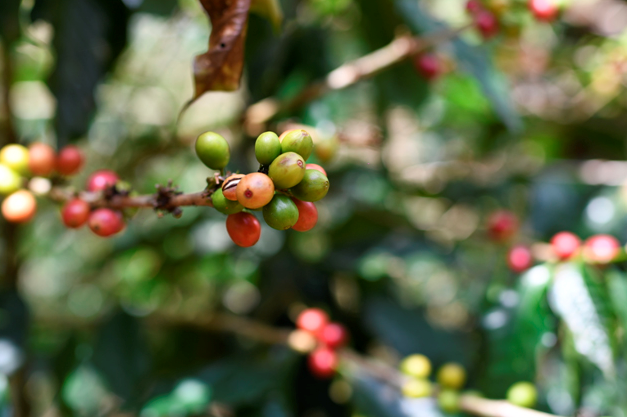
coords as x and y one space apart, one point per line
323 361
18 164
284 189
451 378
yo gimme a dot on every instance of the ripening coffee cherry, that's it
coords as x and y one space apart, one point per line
502 225
223 205
313 187
522 394
287 170
41 159
544 10
428 65
333 335
280 213
323 363
416 365
101 180
326 148
105 222
451 375
10 181
267 148
317 168
70 160
565 244
600 249
473 7
213 150
298 141
307 215
312 320
448 400
243 228
255 190
519 258
229 186
15 157
417 388
19 207
487 23
75 213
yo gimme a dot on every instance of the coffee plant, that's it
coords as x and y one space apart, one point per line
171 244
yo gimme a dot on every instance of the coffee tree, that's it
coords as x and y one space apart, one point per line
340 208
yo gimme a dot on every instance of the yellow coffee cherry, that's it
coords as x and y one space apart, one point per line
523 394
417 366
417 388
448 400
451 375
15 157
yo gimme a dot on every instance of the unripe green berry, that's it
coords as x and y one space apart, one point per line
451 375
10 181
298 141
418 366
15 157
280 213
523 394
313 187
417 388
287 170
267 148
448 400
213 150
223 205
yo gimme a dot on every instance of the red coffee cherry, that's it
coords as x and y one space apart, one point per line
19 207
334 335
41 159
544 10
101 180
601 249
428 65
502 225
75 213
486 23
307 215
312 320
105 222
565 244
243 228
323 362
316 167
473 7
519 258
70 160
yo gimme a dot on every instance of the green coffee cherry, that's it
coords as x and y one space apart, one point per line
213 150
223 205
287 170
448 400
298 141
10 181
267 148
313 187
523 394
280 213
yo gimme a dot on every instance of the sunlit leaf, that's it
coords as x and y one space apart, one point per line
581 301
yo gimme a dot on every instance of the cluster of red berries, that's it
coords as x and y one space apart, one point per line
102 221
284 189
323 361
598 249
18 163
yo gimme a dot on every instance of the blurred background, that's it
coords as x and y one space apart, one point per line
532 121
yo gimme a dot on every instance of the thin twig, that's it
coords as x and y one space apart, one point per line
350 73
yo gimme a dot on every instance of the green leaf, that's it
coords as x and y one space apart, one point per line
472 59
270 9
617 289
582 303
